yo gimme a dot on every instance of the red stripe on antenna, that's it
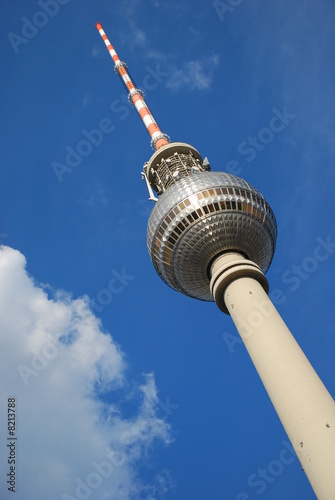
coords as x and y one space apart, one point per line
158 138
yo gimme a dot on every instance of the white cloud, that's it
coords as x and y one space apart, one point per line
197 74
136 35
96 51
58 363
86 100
194 75
95 195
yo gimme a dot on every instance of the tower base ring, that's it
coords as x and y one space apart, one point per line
229 267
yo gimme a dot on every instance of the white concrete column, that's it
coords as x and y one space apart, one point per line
303 404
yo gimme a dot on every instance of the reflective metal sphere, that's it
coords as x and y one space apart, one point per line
201 216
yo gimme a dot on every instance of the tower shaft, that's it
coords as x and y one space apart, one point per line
303 404
136 96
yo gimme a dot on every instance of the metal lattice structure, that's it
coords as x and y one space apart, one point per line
171 163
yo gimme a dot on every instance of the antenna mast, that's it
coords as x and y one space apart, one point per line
136 96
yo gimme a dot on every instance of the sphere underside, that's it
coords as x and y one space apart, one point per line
202 216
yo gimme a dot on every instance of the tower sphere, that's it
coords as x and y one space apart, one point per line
201 214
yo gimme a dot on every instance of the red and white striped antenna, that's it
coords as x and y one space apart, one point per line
136 96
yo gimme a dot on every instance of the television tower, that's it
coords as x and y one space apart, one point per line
212 236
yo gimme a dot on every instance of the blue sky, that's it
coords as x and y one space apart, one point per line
107 363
